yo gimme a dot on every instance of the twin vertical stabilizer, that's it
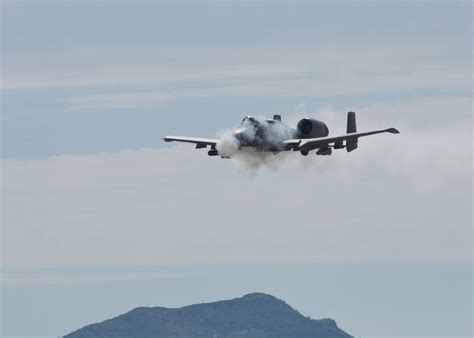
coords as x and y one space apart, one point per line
351 144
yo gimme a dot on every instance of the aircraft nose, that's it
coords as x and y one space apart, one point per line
239 133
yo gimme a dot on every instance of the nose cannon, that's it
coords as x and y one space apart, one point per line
239 133
244 136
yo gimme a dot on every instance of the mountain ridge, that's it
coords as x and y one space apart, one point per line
255 315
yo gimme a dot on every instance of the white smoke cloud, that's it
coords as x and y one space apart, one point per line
161 199
250 158
228 145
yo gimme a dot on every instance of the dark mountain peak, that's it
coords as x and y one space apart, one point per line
255 315
262 298
259 296
269 301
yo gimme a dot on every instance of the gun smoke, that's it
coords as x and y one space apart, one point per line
271 135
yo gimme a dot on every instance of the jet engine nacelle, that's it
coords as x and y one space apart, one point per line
311 128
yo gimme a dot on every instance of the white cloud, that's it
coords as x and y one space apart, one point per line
392 199
150 76
301 85
331 69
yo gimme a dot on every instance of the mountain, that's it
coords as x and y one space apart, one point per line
255 315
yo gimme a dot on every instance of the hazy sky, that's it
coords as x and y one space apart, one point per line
90 88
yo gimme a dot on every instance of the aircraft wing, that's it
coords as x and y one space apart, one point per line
200 142
331 141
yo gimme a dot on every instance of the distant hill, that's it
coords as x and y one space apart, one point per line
255 315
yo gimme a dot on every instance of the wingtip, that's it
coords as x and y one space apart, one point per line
393 131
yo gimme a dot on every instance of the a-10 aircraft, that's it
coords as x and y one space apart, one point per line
273 135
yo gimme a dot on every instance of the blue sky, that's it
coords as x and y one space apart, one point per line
92 199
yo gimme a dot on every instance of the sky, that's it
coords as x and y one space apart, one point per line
99 215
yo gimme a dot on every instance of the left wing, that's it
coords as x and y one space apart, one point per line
200 142
324 142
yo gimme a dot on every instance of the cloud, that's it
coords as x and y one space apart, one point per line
158 73
299 86
62 278
177 205
149 77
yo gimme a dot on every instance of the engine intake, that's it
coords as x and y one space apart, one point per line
311 128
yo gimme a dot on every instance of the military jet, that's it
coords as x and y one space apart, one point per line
273 135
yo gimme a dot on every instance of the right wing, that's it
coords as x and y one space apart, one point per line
199 142
323 142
